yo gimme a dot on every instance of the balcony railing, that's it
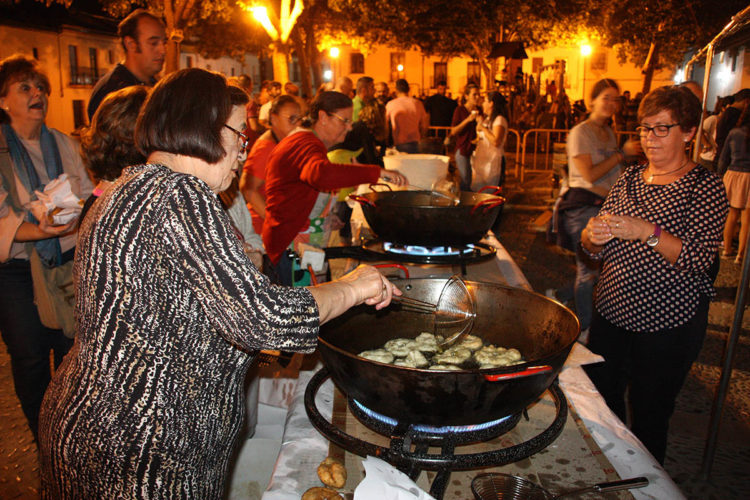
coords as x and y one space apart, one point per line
84 76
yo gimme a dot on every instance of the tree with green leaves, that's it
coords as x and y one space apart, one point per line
656 35
468 28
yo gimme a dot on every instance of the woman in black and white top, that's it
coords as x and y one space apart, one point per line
171 312
657 235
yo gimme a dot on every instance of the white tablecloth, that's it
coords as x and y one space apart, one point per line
303 448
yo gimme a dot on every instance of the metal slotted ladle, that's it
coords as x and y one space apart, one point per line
496 486
454 313
445 193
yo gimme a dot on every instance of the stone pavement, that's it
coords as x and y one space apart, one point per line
546 267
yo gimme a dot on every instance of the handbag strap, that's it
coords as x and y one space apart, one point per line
8 175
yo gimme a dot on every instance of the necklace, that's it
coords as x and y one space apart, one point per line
652 175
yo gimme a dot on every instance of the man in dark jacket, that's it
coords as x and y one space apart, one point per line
144 39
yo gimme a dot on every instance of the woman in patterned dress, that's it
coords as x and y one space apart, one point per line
171 312
657 235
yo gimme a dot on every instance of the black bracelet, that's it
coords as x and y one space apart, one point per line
590 254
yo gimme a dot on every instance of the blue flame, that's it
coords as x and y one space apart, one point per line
429 429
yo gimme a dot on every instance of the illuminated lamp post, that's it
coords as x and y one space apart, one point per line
334 53
279 29
585 52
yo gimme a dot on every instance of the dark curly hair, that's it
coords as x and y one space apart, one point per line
108 145
682 104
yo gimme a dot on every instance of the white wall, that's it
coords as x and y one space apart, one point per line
52 50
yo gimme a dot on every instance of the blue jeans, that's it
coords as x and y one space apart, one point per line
587 271
463 164
29 342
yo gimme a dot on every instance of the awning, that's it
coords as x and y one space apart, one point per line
735 33
510 50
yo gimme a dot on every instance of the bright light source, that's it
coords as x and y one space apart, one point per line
334 52
400 67
328 75
261 15
585 50
678 77
725 75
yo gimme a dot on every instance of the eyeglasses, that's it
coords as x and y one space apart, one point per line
658 130
243 137
292 118
346 121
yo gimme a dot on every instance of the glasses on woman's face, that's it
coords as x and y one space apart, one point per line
243 138
345 121
292 119
658 130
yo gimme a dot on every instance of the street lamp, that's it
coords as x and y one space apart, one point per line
260 14
585 52
334 53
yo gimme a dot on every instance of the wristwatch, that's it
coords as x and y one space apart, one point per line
653 240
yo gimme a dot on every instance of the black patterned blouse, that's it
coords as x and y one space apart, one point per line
638 289
170 311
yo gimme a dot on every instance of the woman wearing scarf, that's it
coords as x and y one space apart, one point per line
31 155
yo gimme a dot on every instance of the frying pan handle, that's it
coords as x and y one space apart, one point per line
496 189
534 370
488 204
635 482
396 266
361 199
372 186
313 278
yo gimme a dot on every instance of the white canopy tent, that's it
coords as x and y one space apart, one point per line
734 34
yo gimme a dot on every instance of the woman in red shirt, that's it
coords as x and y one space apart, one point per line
300 180
284 115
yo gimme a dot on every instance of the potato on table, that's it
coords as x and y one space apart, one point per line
332 473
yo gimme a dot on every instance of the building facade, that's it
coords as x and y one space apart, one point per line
74 58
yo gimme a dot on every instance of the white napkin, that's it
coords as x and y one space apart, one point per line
313 256
384 482
58 194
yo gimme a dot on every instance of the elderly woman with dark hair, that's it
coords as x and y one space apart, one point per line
108 146
171 313
657 236
300 180
31 155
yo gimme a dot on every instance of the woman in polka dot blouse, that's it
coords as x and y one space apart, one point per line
657 235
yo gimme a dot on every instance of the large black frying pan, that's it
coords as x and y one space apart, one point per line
425 218
543 330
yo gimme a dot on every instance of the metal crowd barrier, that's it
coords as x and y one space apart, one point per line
514 137
543 149
538 150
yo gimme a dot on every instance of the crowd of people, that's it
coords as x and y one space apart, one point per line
168 301
182 267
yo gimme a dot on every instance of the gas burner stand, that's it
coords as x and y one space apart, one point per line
374 250
413 461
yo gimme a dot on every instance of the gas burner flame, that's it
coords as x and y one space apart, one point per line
429 429
427 251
